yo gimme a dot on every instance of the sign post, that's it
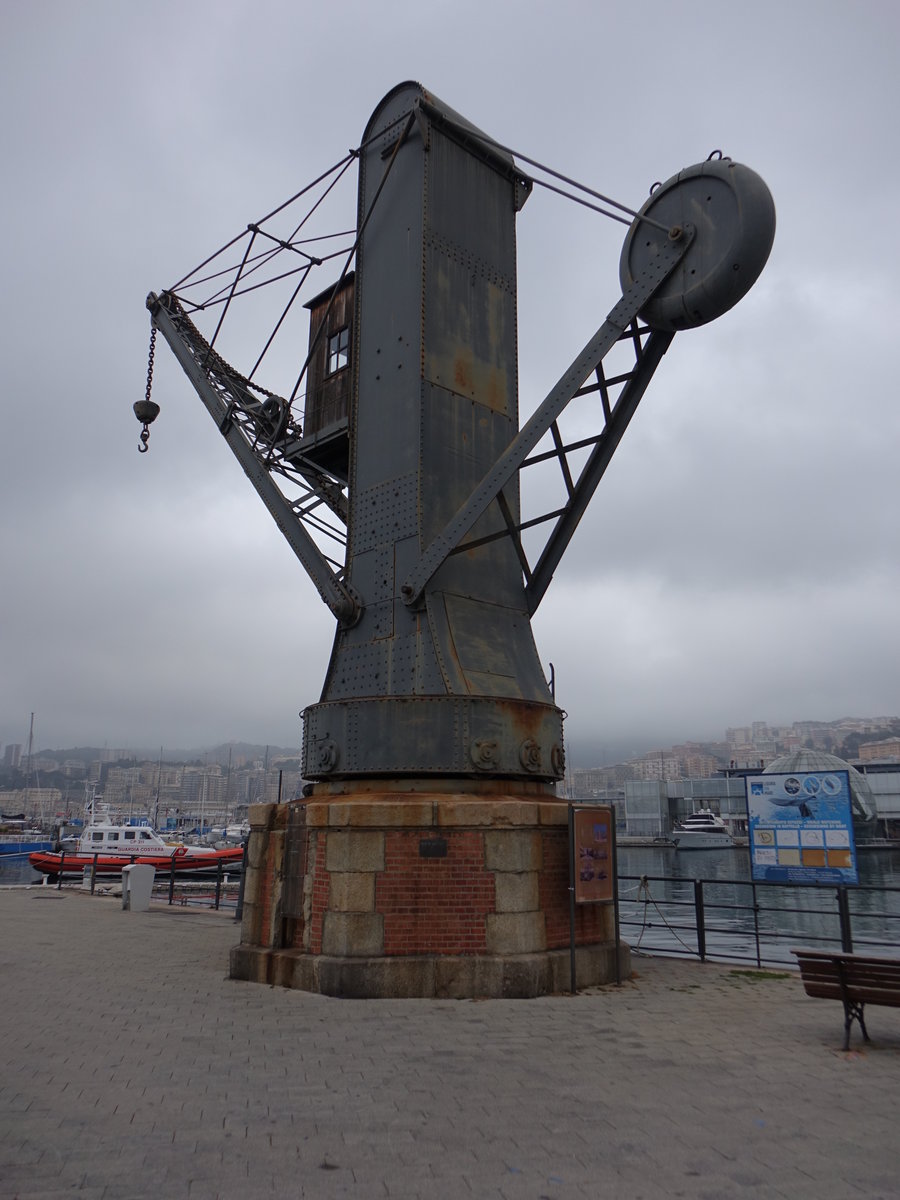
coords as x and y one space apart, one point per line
593 870
801 828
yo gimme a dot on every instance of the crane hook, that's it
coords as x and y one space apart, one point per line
145 410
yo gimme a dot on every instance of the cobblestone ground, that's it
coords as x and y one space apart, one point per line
131 1066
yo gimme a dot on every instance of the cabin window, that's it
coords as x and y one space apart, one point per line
145 836
129 835
114 837
338 351
96 837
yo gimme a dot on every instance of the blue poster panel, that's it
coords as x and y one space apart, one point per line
801 829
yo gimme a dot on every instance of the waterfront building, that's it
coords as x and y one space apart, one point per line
696 760
885 750
654 807
884 781
656 765
39 805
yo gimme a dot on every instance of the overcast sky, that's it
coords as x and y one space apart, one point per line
740 561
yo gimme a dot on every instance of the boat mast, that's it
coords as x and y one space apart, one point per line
25 805
228 806
158 781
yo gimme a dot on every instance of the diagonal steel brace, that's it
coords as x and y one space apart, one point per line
337 595
620 317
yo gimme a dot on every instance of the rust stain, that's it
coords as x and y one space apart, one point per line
462 372
496 392
525 720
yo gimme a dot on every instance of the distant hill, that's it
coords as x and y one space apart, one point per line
246 751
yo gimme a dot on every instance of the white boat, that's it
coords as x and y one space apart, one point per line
703 830
108 846
230 834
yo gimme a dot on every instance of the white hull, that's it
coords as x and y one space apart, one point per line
703 830
106 837
695 839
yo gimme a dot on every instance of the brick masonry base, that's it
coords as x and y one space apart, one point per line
418 895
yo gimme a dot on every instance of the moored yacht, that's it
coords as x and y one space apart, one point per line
703 830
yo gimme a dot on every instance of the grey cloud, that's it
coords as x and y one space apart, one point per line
739 559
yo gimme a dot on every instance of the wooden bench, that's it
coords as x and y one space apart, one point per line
854 979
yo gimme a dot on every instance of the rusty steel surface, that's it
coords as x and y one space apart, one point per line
453 686
409 458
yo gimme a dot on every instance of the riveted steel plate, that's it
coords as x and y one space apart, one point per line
424 689
385 513
432 735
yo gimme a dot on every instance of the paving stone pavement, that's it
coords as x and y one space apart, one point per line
132 1067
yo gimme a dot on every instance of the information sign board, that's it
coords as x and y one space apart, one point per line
801 828
594 831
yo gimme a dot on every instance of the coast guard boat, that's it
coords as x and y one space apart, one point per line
109 847
703 830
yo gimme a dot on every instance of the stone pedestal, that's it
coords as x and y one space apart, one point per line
418 894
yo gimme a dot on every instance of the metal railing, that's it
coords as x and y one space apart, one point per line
224 889
745 921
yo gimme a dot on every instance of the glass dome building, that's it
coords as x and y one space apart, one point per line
862 801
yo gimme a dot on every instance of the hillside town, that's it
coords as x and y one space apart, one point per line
747 747
218 786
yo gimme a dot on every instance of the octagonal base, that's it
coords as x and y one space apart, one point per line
404 893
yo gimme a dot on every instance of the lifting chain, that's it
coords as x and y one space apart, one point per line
145 410
150 362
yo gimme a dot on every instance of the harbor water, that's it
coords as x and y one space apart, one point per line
15 868
660 914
